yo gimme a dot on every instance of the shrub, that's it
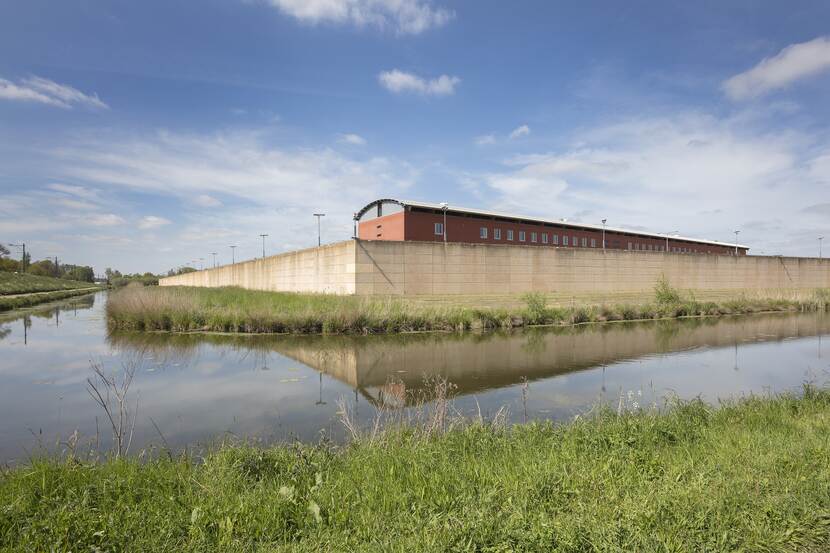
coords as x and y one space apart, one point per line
664 294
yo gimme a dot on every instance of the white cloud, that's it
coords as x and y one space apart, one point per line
398 81
353 139
104 220
44 91
401 16
485 139
519 132
204 200
794 62
149 222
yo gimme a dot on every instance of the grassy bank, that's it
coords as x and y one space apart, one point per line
22 283
27 300
181 309
749 476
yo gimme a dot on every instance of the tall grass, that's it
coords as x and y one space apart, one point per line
181 309
749 476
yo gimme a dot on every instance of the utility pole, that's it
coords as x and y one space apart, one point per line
737 232
214 259
263 244
444 207
22 259
603 233
233 254
57 270
820 238
318 215
201 263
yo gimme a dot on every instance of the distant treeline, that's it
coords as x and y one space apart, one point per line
45 267
117 280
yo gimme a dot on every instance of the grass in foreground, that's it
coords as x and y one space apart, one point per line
182 309
22 283
749 476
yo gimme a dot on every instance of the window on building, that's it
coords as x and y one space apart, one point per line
556 239
630 246
521 236
544 238
482 233
439 229
510 234
497 234
533 237
593 242
584 242
575 241
564 240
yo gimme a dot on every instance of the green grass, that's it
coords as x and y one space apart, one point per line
27 300
182 309
749 476
22 283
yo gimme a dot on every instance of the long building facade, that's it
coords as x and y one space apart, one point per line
399 220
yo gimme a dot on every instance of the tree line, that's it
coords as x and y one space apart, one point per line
44 267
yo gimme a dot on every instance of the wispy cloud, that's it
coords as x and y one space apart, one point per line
150 222
646 172
401 16
795 62
44 91
519 132
353 139
398 81
485 139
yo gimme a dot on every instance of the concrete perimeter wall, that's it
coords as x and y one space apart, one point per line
329 269
423 268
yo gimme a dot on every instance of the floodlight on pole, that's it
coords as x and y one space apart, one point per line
444 207
674 232
319 215
737 232
233 254
214 259
263 244
603 233
820 238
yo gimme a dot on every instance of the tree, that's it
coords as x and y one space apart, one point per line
4 251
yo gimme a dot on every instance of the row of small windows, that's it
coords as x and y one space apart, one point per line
566 240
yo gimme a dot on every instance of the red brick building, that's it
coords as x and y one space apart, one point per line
389 219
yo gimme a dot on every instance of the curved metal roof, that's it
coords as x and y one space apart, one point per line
560 223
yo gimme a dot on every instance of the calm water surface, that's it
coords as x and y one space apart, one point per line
197 389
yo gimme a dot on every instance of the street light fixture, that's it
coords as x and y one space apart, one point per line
263 244
820 238
233 254
737 232
318 215
214 259
444 207
603 233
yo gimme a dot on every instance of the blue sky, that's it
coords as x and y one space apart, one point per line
145 135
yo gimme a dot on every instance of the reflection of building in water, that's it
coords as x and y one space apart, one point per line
394 369
382 366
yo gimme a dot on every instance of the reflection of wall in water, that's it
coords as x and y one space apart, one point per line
477 362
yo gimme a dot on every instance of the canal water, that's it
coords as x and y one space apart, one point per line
192 390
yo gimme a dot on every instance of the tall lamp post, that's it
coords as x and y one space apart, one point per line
22 259
737 232
214 259
263 244
667 239
319 215
233 254
444 207
603 233
820 238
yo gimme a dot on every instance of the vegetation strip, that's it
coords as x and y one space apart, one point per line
22 283
181 309
749 476
28 300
